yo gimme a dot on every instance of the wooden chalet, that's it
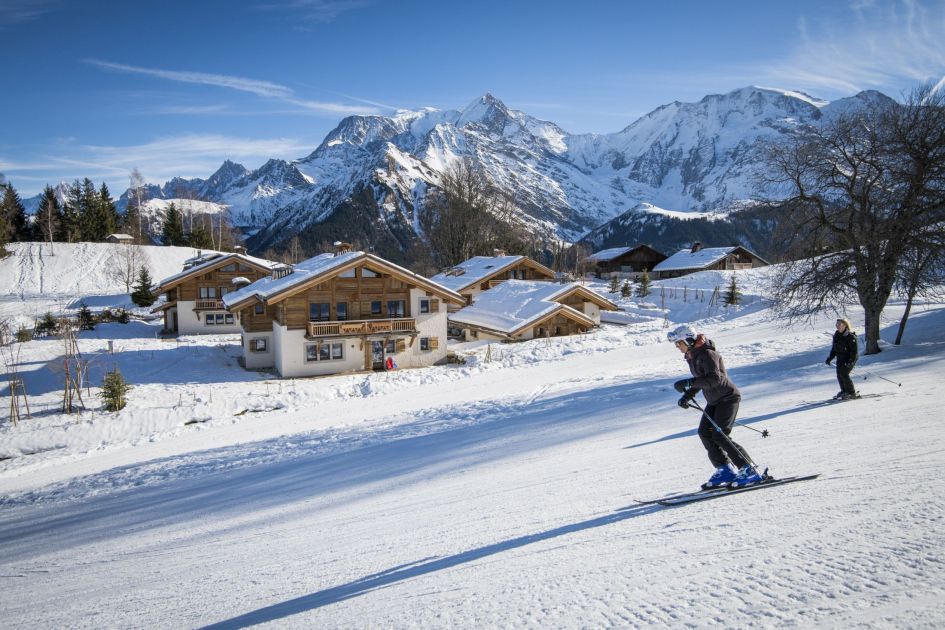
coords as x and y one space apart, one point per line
193 298
342 312
520 310
481 273
627 261
698 258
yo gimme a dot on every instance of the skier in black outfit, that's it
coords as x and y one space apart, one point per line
845 350
722 400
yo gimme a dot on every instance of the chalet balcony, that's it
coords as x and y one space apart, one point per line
496 282
362 327
209 305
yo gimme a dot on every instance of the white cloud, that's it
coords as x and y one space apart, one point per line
19 11
191 155
882 47
316 10
265 89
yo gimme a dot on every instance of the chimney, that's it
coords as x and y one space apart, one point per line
239 249
281 271
498 252
696 247
341 248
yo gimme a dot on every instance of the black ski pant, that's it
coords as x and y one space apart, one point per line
843 377
721 449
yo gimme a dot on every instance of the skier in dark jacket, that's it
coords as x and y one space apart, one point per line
722 400
845 350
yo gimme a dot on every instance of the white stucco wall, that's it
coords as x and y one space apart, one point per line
189 324
254 360
592 311
290 356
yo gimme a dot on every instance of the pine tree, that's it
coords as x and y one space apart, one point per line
614 283
13 216
173 230
48 216
114 389
70 222
86 319
142 295
199 237
627 289
644 289
732 295
109 212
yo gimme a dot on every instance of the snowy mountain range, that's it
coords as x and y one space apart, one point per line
372 175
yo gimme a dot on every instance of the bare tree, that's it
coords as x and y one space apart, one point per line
124 262
860 189
470 216
136 183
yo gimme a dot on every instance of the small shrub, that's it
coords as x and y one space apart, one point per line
113 391
24 334
86 319
122 316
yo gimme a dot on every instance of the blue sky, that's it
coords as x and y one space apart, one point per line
94 88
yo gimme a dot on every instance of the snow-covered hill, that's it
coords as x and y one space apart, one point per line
37 277
499 493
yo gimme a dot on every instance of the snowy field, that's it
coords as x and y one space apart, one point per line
498 493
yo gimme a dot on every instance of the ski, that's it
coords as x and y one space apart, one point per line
681 495
692 497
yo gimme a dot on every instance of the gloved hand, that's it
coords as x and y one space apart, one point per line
683 385
684 402
828 361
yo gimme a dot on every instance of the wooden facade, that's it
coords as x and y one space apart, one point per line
635 260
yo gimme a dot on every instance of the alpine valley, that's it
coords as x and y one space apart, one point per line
684 172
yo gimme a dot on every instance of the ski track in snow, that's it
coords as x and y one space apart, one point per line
495 494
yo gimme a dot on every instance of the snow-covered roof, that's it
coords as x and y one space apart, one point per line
515 304
321 265
121 237
203 262
700 259
608 254
474 270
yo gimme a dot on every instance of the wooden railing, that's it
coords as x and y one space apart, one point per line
496 282
209 304
362 327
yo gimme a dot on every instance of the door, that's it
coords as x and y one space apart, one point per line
174 320
377 355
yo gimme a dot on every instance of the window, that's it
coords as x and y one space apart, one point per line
224 291
209 321
390 347
424 344
228 268
424 305
220 319
319 312
244 268
346 274
207 293
259 309
324 352
228 318
341 311
376 307
395 308
258 344
367 273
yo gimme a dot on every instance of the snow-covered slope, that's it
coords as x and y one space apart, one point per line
499 493
37 277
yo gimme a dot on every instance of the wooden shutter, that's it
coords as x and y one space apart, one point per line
434 343
434 306
401 344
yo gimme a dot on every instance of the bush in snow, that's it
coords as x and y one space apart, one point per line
614 283
86 319
732 295
644 289
24 334
46 326
627 289
113 391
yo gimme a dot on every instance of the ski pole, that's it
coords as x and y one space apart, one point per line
882 377
693 403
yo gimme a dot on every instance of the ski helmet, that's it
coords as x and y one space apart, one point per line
682 333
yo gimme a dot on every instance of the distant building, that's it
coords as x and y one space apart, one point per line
522 310
125 239
698 258
481 273
341 312
625 260
193 298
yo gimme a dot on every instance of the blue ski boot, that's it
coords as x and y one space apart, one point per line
746 476
722 476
